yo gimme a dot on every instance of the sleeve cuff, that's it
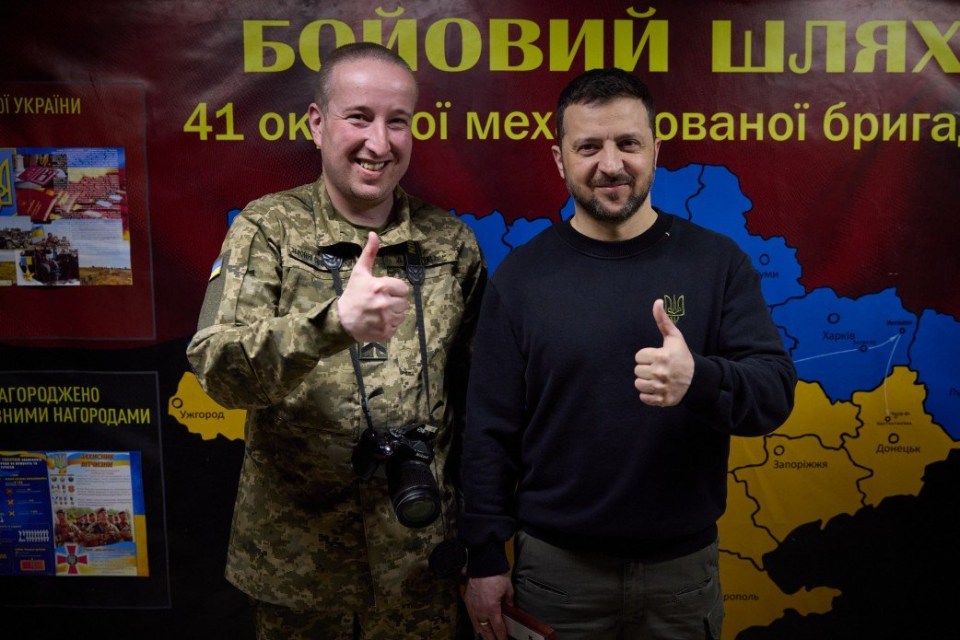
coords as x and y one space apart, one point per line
705 387
487 560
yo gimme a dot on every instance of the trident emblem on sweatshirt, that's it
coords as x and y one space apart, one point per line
675 307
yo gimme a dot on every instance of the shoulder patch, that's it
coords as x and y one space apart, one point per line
216 268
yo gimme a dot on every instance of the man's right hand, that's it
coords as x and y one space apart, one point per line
483 597
372 308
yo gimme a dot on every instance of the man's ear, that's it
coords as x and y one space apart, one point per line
558 159
315 119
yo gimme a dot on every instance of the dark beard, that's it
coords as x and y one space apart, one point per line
597 211
601 214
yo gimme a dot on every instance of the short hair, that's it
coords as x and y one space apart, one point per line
600 86
353 51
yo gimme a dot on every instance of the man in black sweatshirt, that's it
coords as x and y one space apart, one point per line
616 354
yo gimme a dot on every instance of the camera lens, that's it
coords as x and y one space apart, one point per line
414 492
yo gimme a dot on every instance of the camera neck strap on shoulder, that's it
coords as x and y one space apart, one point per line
413 267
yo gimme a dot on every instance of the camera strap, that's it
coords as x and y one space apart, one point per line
415 273
449 556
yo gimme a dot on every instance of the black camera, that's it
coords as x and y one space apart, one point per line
406 453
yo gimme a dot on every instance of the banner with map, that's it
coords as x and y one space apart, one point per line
823 137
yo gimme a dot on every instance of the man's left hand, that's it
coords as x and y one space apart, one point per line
664 373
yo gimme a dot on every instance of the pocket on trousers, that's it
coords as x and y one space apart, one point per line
703 598
714 621
695 592
706 599
543 590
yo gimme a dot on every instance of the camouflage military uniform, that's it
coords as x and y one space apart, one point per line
307 534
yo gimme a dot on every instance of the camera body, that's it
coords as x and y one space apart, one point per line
406 454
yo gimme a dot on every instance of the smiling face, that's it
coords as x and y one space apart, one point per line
607 157
364 136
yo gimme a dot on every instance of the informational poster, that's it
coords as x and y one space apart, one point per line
74 220
76 203
26 520
81 477
92 522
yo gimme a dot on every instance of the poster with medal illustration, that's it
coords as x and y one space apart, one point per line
81 477
72 513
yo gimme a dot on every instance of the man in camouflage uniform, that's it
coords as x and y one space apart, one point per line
320 551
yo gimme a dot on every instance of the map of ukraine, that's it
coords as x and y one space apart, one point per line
875 405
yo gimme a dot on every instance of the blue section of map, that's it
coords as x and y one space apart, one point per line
845 345
935 355
522 230
490 231
711 197
672 190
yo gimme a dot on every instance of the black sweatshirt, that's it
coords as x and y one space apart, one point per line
557 441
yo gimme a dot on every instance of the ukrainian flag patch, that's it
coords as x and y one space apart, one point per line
215 270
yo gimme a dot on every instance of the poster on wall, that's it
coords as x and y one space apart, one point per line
26 535
74 225
76 204
72 513
82 484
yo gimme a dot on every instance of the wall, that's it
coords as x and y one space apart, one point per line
822 136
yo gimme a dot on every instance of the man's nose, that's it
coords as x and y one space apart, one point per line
377 138
611 159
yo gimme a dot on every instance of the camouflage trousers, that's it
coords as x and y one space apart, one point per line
276 622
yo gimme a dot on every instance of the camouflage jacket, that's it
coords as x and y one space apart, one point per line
305 530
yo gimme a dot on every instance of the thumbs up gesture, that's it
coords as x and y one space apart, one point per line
372 308
664 373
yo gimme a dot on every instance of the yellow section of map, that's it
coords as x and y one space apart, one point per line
897 440
739 534
815 415
195 410
750 598
802 482
829 458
